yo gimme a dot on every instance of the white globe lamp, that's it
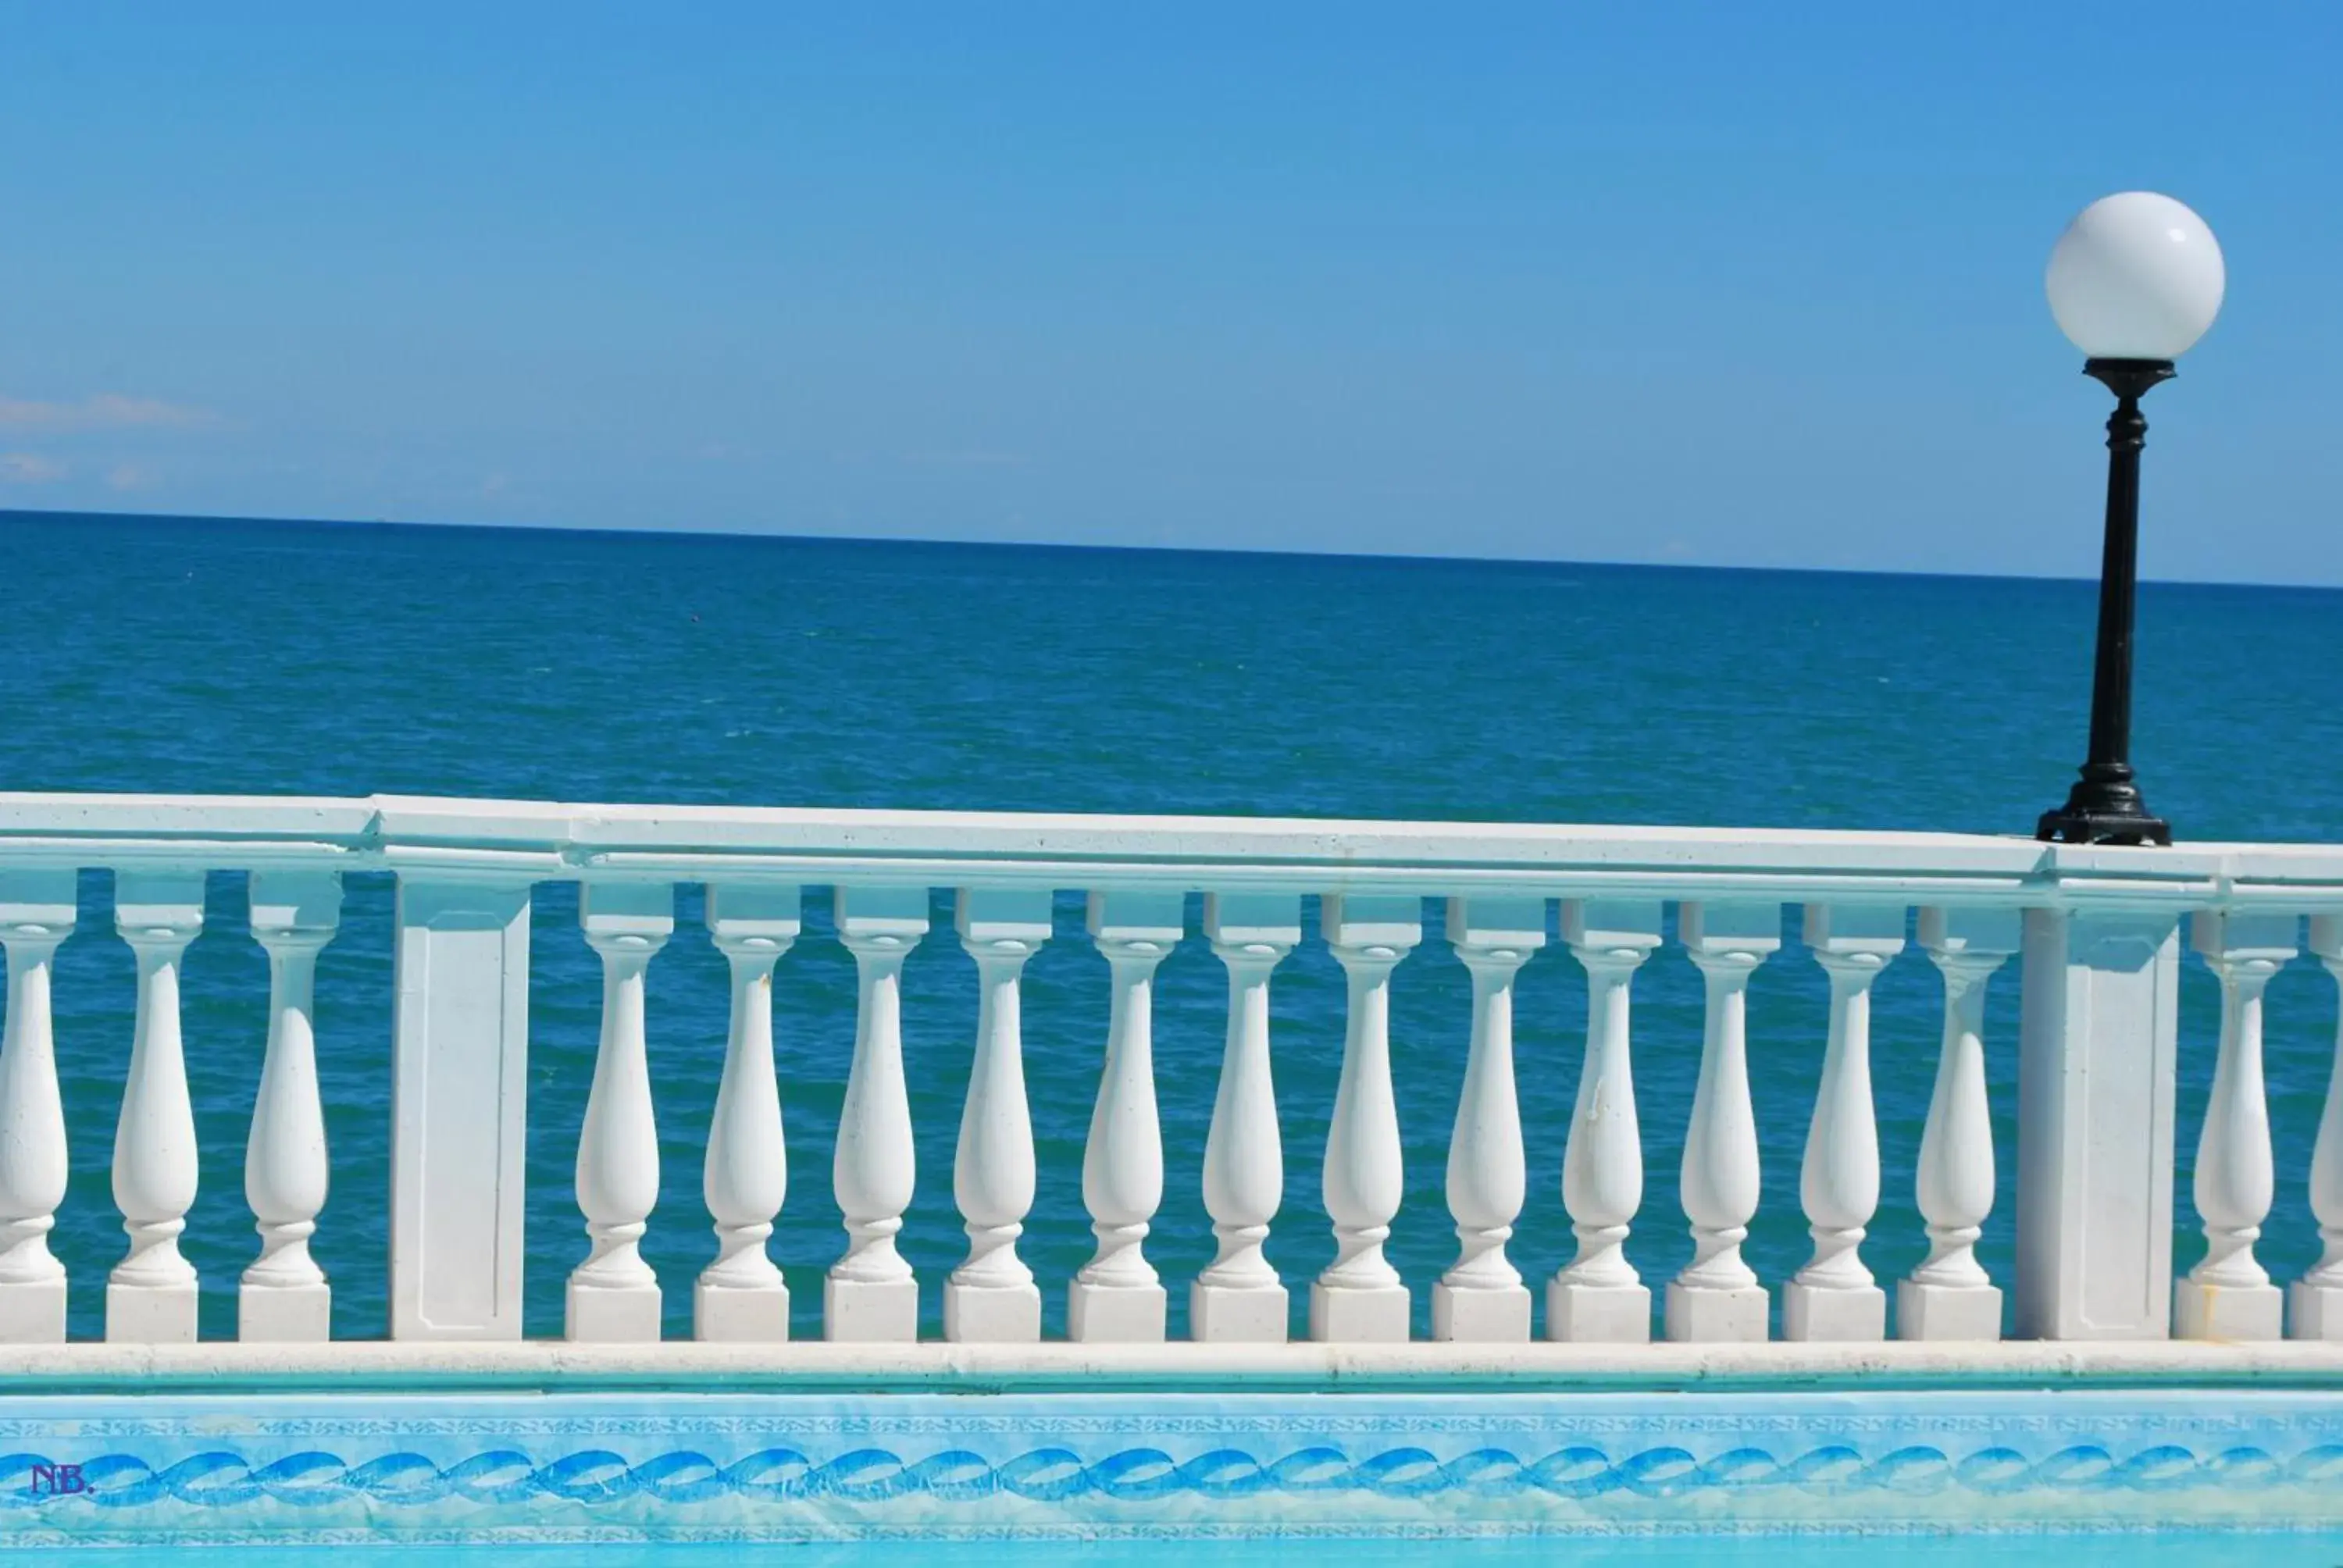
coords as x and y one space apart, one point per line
2135 276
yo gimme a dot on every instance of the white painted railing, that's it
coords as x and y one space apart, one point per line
2096 934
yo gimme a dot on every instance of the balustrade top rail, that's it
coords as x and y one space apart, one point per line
551 841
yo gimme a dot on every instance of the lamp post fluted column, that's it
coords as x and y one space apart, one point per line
2105 807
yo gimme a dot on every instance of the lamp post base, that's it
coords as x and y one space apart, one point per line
2100 827
2104 807
2082 822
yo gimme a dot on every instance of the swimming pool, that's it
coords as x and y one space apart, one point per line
2111 1550
518 1467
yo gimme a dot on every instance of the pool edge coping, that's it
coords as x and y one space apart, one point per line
810 1367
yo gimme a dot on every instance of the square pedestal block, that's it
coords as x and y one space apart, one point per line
1481 1317
1717 1317
992 1314
299 1314
33 1313
1598 1314
1255 1315
2202 1312
2317 1310
1812 1314
597 1314
1374 1317
1947 1311
871 1311
756 1315
150 1314
1115 1314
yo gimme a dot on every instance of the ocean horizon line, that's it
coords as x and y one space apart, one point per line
574 531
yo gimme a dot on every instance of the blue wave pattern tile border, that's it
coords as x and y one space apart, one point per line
565 1467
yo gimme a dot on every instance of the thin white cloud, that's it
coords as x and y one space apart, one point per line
128 477
104 411
969 459
29 468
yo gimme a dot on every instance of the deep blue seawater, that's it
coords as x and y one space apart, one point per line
247 658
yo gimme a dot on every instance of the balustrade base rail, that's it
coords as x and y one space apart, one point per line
686 1367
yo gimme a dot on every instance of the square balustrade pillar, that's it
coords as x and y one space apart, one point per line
459 1111
2095 1051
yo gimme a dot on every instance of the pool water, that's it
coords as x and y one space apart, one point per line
2168 1549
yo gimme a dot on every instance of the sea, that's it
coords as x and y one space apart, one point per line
211 657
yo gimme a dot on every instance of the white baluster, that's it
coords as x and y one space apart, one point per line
2316 1302
36 913
1598 1297
1237 1297
992 1297
1949 1295
1834 1297
150 1297
1117 1297
1360 1297
1717 1296
871 1292
742 1297
284 1297
2228 1295
1481 1297
613 1295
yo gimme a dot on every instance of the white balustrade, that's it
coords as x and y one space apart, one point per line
1360 1296
1949 1296
1481 1297
2316 1302
1834 1297
871 1292
613 1295
2228 1295
741 1296
1238 1297
991 1296
1117 1297
37 914
284 1295
1717 1296
1598 1296
2098 1042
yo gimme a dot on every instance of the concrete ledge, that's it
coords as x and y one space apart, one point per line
685 1366
561 840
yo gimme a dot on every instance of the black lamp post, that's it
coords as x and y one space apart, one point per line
2134 280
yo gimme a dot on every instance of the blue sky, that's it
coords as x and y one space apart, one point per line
1725 285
